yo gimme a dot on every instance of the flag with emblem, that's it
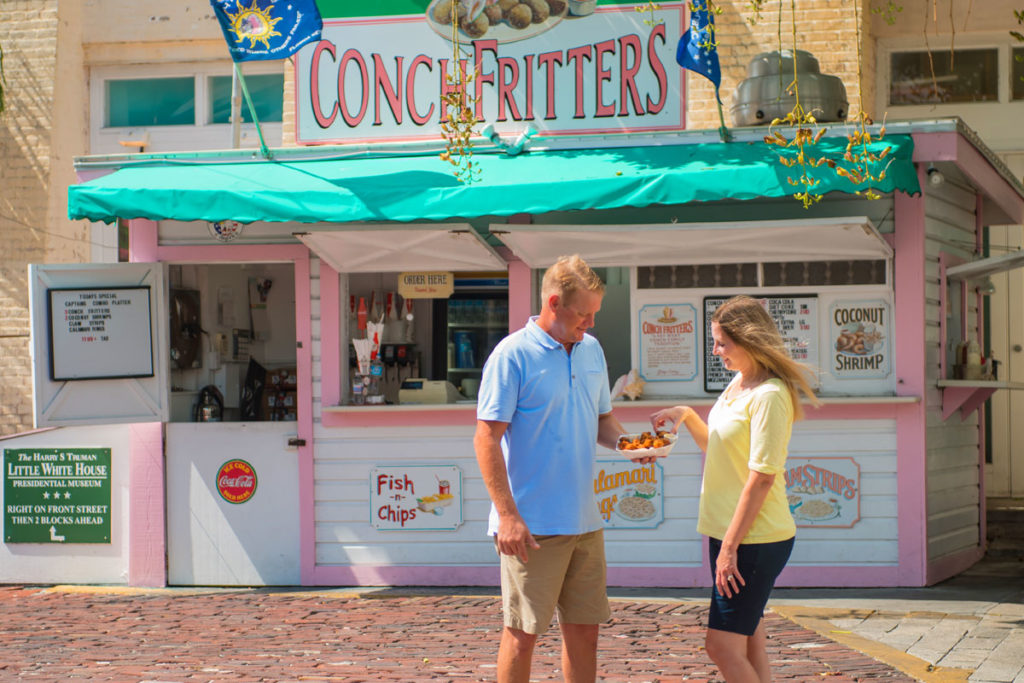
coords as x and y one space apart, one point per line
267 29
697 50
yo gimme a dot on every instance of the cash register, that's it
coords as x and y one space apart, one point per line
419 390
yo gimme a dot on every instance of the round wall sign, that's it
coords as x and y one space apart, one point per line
236 481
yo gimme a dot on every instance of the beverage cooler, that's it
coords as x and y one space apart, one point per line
474 319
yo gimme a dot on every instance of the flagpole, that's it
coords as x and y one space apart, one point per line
723 132
252 112
236 110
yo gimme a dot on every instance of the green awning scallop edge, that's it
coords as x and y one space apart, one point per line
418 188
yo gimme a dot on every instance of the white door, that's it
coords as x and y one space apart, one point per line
1004 476
225 532
99 340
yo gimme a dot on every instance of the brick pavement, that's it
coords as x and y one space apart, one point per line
111 634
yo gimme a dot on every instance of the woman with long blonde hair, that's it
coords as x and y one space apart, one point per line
743 507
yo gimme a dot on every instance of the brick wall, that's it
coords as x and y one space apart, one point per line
825 28
28 35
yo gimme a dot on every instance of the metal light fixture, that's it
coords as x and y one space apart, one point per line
935 177
986 287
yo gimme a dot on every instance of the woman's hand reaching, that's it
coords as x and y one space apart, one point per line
669 417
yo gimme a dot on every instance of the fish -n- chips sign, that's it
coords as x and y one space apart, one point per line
383 76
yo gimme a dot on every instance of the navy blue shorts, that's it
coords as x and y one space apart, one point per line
759 564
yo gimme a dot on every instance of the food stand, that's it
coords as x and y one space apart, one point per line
676 222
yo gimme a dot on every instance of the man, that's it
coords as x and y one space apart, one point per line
543 406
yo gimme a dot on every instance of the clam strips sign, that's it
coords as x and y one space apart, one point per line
382 76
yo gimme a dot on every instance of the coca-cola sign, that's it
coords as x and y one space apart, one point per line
236 481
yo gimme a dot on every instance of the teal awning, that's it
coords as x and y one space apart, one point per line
417 188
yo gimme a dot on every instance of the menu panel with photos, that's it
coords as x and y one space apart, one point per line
796 318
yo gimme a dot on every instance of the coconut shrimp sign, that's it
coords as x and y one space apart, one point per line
860 332
380 70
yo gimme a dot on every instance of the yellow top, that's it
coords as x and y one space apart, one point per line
749 431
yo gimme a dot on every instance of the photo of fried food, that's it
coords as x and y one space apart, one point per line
636 508
504 20
816 509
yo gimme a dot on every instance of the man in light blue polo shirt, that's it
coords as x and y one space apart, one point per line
543 407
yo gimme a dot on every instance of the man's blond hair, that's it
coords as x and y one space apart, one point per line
568 275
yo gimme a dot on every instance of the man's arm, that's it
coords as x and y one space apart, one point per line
514 537
609 429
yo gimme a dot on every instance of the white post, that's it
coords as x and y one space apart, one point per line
236 109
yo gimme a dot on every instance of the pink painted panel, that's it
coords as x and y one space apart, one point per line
520 294
944 568
911 445
142 241
147 565
388 417
330 336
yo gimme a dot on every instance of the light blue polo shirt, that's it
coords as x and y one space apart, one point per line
551 402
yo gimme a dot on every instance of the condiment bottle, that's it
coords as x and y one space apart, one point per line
361 316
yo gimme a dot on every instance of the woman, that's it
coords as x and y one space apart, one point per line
743 506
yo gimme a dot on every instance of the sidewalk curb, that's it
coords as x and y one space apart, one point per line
817 619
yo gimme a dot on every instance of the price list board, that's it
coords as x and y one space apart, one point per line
100 333
797 320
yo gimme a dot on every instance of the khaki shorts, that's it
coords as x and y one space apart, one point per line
568 572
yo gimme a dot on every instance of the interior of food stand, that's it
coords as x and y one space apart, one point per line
358 215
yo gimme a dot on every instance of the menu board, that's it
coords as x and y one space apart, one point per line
797 320
100 333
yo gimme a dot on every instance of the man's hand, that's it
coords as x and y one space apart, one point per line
514 537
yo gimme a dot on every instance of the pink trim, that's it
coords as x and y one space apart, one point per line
629 412
954 147
85 175
951 565
330 336
642 577
374 416
520 293
147 551
909 316
304 368
142 240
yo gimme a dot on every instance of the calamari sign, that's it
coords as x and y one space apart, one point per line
380 70
630 495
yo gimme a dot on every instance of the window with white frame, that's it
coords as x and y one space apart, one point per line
1017 74
180 107
944 77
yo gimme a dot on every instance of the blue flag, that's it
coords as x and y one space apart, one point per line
267 29
697 51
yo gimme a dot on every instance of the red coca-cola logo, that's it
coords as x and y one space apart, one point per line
236 481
